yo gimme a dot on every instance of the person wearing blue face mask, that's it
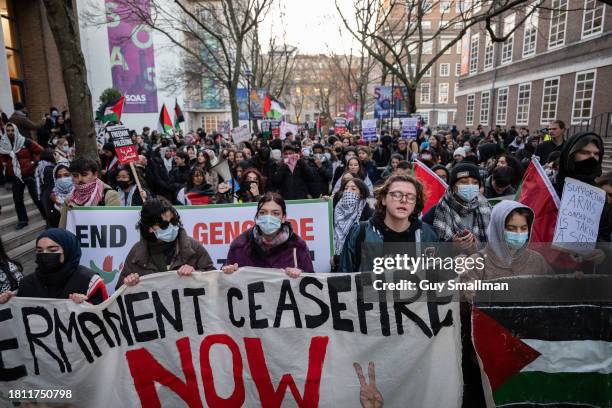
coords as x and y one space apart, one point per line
506 253
463 213
164 246
271 243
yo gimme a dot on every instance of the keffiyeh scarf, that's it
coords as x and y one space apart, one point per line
89 194
346 214
450 211
11 149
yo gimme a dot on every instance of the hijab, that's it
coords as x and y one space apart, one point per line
72 256
503 256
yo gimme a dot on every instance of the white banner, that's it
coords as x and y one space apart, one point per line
286 127
252 339
241 134
107 234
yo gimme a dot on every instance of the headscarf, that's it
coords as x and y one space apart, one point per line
346 214
6 147
495 232
72 256
39 174
567 162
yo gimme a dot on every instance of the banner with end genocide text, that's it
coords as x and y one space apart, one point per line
107 234
255 338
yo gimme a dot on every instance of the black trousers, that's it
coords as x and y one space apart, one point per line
18 190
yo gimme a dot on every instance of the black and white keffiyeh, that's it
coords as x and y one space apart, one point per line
346 214
11 149
450 211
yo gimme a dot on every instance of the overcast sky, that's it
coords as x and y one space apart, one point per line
310 25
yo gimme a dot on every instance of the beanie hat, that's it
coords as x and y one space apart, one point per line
460 151
463 170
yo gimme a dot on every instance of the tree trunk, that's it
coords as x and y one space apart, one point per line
234 108
411 100
62 21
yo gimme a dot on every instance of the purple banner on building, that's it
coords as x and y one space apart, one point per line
132 58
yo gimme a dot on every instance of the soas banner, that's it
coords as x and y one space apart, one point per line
107 234
255 338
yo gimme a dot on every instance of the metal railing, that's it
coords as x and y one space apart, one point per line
600 124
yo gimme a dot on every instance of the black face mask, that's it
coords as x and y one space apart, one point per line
587 169
123 184
50 270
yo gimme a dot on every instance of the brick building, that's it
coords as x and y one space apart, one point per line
557 65
29 67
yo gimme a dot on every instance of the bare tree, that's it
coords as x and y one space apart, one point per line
62 21
212 36
392 32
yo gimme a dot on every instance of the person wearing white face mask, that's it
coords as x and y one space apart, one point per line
271 243
463 213
506 253
164 246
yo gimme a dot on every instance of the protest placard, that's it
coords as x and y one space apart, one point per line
340 126
241 134
409 127
126 149
286 127
107 234
368 129
252 338
578 221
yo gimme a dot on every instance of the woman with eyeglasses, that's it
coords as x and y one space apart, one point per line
164 246
399 201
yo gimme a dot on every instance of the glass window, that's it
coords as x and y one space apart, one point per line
455 92
531 33
550 96
522 104
502 106
469 110
427 47
558 21
443 93
443 44
425 92
593 17
489 51
474 54
583 96
457 69
508 45
485 103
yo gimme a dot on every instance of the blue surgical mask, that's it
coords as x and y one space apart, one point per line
425 145
516 240
168 234
327 155
468 192
66 149
64 183
268 224
467 148
306 152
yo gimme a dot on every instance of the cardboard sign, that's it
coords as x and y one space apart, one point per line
368 129
579 215
126 150
241 134
255 338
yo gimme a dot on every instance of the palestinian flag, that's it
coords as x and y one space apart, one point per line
111 111
433 185
544 355
178 116
165 123
272 108
537 192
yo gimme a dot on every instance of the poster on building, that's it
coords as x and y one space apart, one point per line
400 96
382 106
242 96
255 338
132 57
256 100
340 125
107 235
409 127
465 53
368 129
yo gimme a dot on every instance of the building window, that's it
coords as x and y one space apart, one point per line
489 51
592 22
427 7
425 92
485 104
457 69
550 96
530 34
522 104
443 44
469 110
444 70
455 91
427 73
443 92
427 47
583 96
502 106
558 22
508 45
13 50
474 54
458 49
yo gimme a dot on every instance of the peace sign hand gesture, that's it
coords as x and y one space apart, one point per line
369 395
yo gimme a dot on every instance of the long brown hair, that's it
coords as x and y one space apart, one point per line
382 191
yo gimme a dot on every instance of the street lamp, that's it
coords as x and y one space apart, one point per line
249 75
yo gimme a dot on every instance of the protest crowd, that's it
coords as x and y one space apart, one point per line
374 187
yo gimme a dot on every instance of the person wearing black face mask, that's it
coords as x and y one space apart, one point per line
128 190
581 159
263 163
58 274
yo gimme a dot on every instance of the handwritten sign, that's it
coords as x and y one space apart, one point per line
409 127
579 214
